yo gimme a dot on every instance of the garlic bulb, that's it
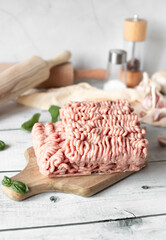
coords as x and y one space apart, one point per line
154 99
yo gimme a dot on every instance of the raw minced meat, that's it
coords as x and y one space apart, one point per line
92 137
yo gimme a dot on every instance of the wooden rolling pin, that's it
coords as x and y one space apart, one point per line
64 75
22 76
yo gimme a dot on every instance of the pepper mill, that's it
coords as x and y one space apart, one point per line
134 41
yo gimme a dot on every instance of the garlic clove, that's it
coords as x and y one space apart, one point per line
158 116
147 102
160 103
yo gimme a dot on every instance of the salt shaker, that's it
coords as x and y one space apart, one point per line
116 70
134 39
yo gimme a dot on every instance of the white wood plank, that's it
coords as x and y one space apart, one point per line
13 158
125 199
12 115
141 228
156 152
19 141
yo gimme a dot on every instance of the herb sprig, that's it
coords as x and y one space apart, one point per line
54 111
16 186
2 145
29 124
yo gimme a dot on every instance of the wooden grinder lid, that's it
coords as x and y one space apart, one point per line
135 29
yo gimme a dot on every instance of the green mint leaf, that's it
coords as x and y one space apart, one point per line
7 181
54 111
29 124
2 145
20 187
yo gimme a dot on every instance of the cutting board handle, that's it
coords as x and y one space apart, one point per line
26 176
62 57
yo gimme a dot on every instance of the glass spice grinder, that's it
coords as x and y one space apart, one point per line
134 41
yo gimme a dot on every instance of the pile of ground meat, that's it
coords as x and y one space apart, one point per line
92 137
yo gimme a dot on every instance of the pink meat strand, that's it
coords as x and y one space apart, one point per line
92 137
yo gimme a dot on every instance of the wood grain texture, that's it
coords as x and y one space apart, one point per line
81 185
23 76
141 194
135 31
64 75
97 74
141 228
60 76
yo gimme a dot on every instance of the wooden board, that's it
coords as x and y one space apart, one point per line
82 185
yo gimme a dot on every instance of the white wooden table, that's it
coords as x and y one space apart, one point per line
134 208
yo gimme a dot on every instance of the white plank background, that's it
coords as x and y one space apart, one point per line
133 208
127 229
12 115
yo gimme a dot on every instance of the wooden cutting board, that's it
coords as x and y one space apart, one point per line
81 185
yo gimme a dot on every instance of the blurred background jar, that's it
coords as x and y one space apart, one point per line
116 65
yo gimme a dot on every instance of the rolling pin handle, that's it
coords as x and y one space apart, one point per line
97 74
62 57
